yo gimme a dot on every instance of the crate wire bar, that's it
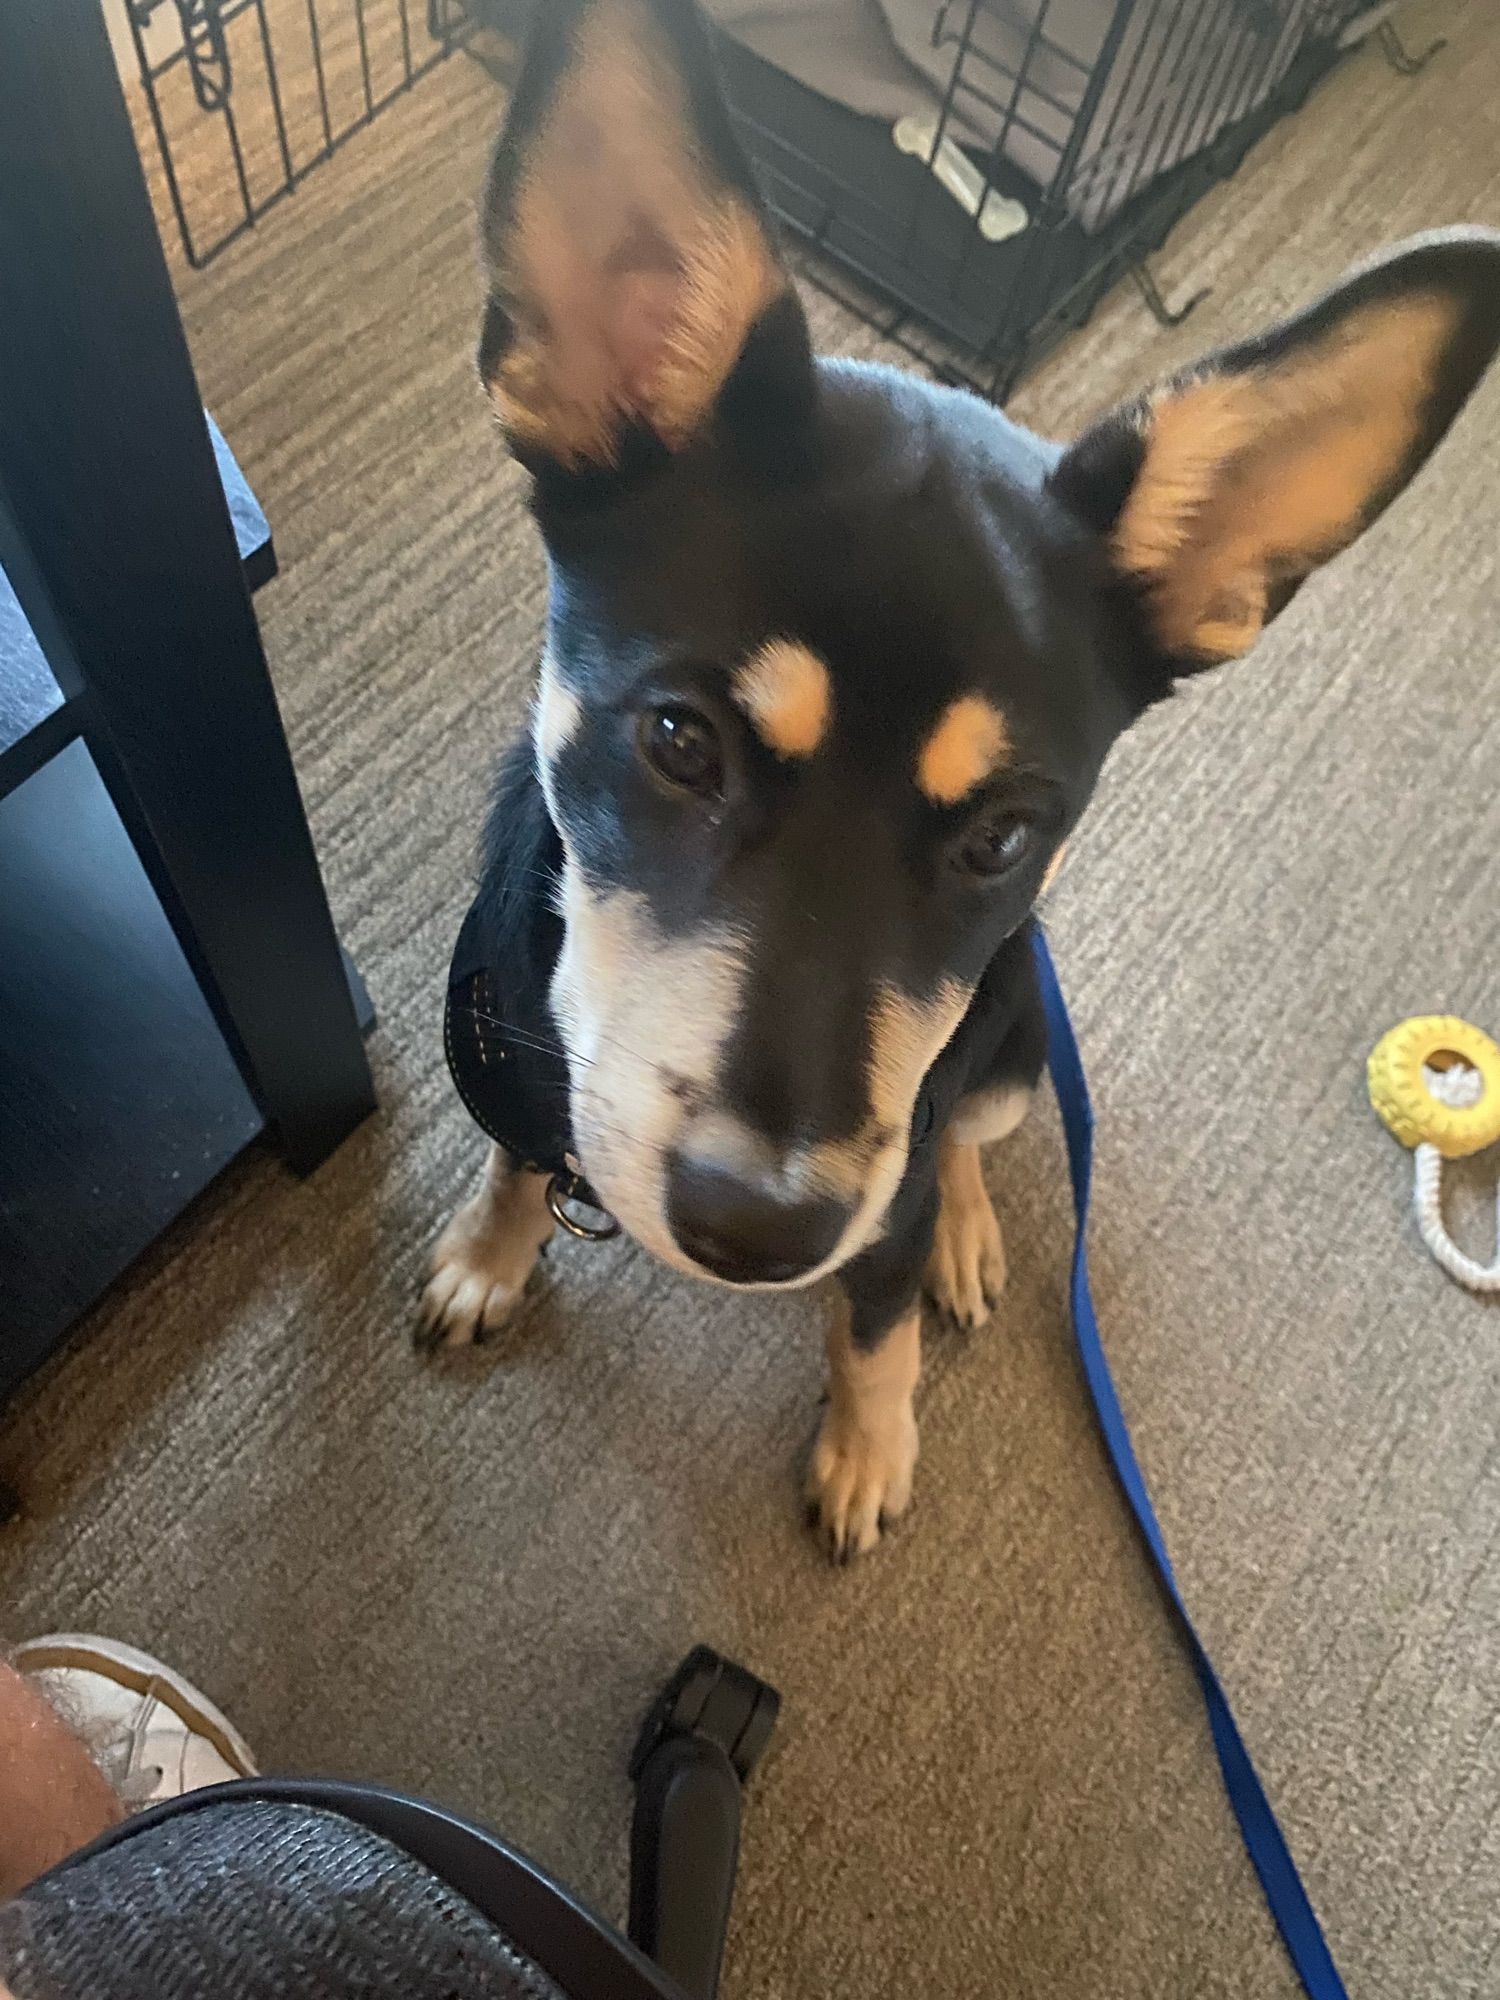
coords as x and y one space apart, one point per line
247 97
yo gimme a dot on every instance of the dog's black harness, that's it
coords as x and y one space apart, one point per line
508 1067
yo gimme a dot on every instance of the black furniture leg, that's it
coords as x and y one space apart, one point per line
700 1742
117 541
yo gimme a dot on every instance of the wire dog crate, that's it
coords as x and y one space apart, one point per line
247 97
1052 149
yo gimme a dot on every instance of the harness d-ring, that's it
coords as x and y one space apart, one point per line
1435 1081
569 1191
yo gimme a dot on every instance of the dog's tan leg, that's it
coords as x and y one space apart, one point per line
866 1451
966 1271
482 1260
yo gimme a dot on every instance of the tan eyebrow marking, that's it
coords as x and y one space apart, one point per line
788 695
968 745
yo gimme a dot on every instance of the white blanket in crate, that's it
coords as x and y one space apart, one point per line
1182 71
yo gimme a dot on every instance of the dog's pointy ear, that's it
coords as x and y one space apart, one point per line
632 273
1220 491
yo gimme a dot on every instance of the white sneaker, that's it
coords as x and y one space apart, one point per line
152 1733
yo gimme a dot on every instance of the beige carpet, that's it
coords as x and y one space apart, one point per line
993 1775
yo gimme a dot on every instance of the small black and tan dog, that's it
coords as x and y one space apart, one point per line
833 659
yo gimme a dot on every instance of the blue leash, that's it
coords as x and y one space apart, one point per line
1264 1841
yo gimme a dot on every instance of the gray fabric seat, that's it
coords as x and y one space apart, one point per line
255 1900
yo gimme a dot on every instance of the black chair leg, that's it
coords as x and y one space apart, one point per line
699 1744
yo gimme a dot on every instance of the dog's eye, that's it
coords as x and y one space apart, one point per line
995 846
682 746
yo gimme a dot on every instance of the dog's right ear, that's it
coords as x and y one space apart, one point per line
632 274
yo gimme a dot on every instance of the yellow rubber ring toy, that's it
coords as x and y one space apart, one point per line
1399 1092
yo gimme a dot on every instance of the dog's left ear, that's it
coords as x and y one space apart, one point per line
1222 490
632 273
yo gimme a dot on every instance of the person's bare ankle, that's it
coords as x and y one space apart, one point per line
53 1798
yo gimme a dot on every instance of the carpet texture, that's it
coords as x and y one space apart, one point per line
467 1576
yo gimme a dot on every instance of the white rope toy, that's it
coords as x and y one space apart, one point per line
1435 1081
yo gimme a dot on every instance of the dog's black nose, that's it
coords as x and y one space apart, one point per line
741 1232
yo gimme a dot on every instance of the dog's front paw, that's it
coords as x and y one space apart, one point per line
483 1259
860 1478
470 1295
966 1271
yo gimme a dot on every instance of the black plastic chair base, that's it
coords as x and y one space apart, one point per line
703 1737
